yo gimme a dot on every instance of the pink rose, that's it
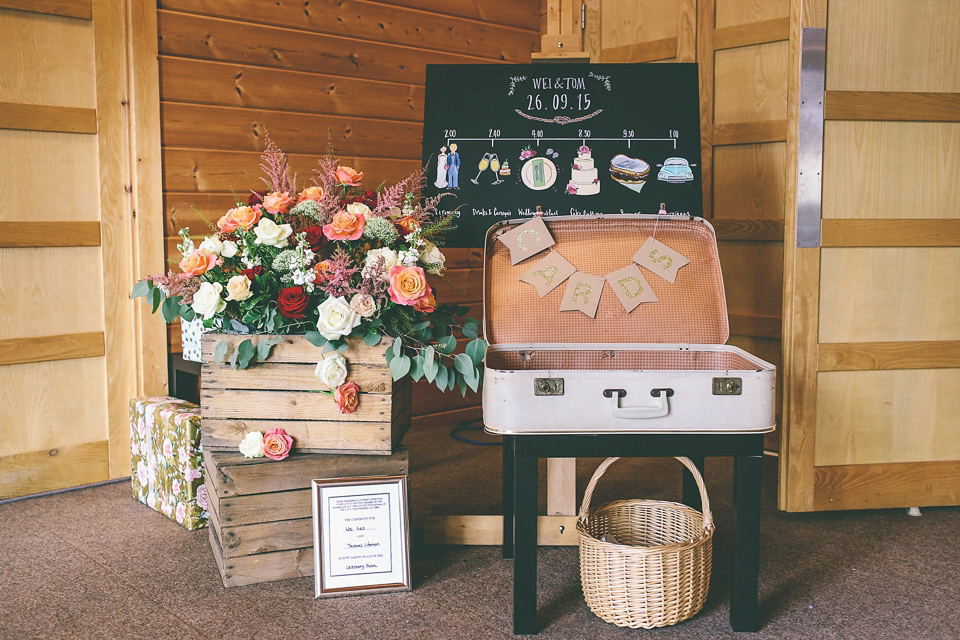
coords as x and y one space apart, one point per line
277 444
345 226
202 497
276 202
426 304
348 177
311 193
198 262
239 217
408 285
347 398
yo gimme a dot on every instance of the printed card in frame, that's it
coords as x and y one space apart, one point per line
361 535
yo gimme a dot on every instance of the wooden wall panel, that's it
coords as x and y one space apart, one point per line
752 273
50 291
868 417
629 22
891 170
70 192
751 83
887 45
738 12
890 294
748 181
56 468
67 404
46 60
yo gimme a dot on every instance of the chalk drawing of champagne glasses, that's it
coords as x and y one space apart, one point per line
495 167
482 165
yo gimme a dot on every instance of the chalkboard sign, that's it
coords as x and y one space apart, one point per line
573 139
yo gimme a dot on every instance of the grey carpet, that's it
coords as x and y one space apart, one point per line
94 563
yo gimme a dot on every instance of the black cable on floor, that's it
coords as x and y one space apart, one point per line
466 426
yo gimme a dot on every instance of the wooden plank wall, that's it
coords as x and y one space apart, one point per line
231 70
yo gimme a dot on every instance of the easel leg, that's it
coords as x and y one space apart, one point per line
691 495
525 546
746 507
508 491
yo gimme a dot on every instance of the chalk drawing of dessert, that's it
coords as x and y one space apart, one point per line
630 172
583 176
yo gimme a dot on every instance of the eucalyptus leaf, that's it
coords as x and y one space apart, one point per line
421 325
220 351
474 380
343 347
462 383
170 309
430 365
388 355
245 353
470 330
238 326
233 358
447 345
155 297
142 288
314 338
440 379
265 346
187 313
469 320
399 367
372 339
397 345
463 363
416 368
476 349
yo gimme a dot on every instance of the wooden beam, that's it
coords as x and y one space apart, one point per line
67 233
41 117
897 484
44 348
38 471
892 232
556 531
891 105
662 49
744 35
757 326
66 8
561 486
748 229
750 132
871 356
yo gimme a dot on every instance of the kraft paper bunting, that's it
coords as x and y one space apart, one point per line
660 259
630 287
527 240
582 294
549 273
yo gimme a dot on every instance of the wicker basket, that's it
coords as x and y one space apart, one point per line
657 573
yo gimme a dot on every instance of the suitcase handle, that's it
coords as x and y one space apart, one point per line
658 410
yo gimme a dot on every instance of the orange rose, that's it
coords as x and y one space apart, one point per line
348 177
276 202
277 444
408 224
345 226
239 217
321 269
347 397
311 193
408 285
426 304
198 262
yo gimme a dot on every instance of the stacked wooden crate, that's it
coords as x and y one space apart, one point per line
261 527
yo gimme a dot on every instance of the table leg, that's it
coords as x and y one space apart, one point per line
691 495
525 545
746 508
508 489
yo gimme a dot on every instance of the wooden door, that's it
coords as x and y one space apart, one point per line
80 220
871 406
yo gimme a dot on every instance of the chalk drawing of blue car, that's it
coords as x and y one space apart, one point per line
675 170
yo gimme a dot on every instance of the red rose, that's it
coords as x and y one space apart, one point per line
291 302
252 273
255 197
315 238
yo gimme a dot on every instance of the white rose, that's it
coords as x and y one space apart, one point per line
238 288
358 207
207 301
336 318
332 370
229 249
363 304
212 245
270 233
252 445
389 261
431 255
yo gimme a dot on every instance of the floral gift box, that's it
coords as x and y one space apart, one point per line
166 462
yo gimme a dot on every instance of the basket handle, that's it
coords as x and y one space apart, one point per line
698 478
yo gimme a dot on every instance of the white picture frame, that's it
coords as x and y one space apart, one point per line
361 535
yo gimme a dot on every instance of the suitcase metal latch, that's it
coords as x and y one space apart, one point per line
727 386
548 386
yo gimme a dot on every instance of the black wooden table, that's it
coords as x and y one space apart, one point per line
520 457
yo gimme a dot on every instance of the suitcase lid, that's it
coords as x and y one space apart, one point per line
691 310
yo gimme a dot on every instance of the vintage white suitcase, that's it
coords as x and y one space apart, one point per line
661 368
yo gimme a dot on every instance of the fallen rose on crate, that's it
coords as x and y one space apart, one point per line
329 261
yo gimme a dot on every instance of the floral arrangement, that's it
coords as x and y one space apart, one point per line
330 261
274 444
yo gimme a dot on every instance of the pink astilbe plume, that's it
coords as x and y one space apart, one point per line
340 268
276 168
177 284
324 176
392 197
373 284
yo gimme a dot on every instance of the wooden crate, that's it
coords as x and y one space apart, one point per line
282 392
261 526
